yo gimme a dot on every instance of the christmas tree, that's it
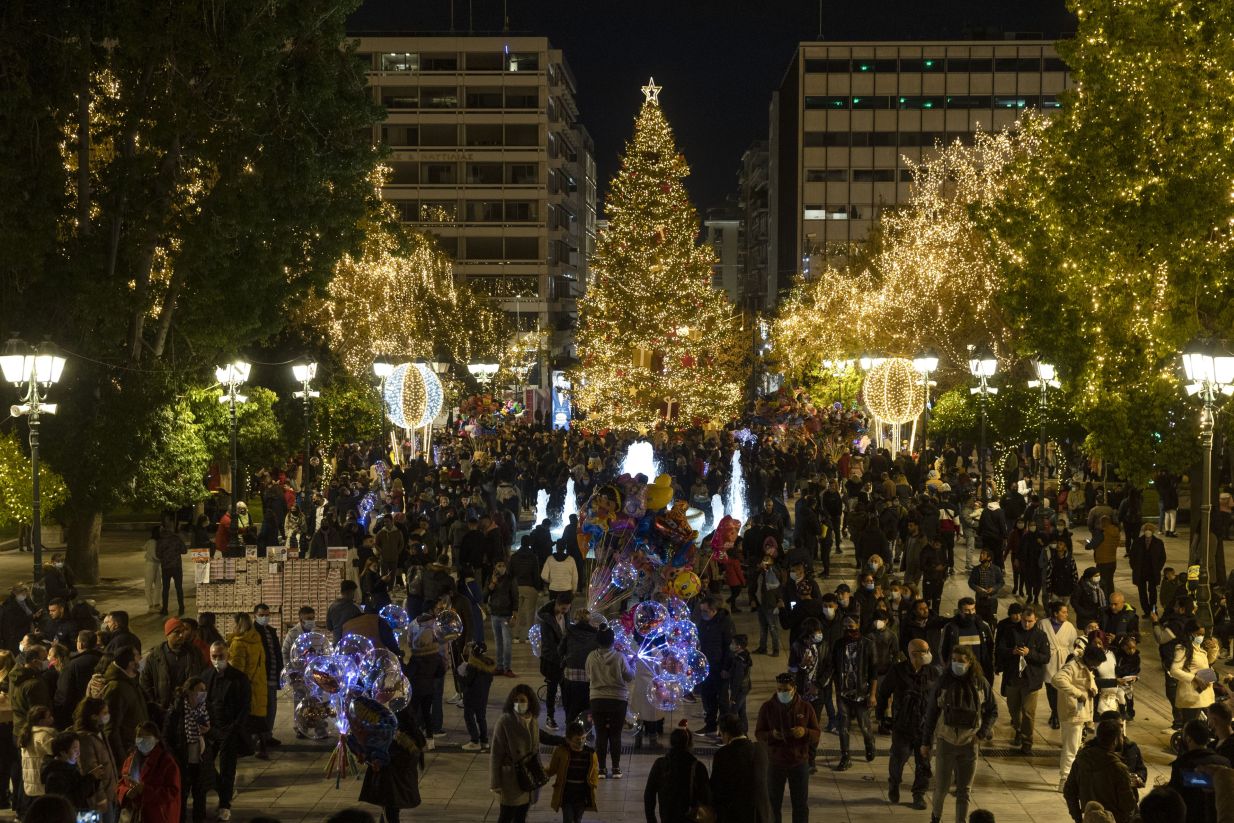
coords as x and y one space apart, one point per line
656 342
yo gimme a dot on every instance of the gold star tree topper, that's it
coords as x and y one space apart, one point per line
651 92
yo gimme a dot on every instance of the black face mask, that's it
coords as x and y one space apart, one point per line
968 619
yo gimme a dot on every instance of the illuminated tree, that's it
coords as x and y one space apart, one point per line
656 341
17 486
1117 237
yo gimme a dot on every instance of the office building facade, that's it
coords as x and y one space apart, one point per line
847 114
752 201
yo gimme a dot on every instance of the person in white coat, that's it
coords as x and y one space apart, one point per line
1062 635
1077 691
154 570
560 572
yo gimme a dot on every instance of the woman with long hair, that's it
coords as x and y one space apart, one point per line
185 734
516 739
247 654
90 718
1193 653
960 711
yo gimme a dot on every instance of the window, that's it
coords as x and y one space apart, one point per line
814 212
400 135
394 97
522 134
484 98
520 211
528 98
813 102
975 101
483 134
439 62
923 64
483 248
483 61
827 66
920 102
875 102
439 134
1050 101
1053 64
436 174
449 245
522 62
906 175
507 286
975 65
403 174
400 61
522 174
874 175
1017 64
866 64
522 248
825 138
484 174
826 175
1010 102
484 211
439 98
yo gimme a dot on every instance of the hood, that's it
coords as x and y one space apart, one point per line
992 506
249 638
21 674
114 672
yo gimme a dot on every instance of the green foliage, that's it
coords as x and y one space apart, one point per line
1012 416
349 410
171 474
259 439
954 417
17 486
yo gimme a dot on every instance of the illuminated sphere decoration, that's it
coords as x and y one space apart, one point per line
434 394
406 399
893 391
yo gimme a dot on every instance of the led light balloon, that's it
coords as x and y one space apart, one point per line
648 617
893 391
405 396
434 394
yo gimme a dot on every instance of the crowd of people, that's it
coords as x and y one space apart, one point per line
843 565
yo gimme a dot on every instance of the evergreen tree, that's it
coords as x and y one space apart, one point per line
656 341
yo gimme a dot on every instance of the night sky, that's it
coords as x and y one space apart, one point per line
718 61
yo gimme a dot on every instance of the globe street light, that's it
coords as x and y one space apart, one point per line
1045 381
232 377
982 365
304 374
32 371
1210 372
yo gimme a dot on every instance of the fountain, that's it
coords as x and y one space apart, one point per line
736 507
641 459
570 507
541 507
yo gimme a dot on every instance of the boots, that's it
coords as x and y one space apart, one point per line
893 792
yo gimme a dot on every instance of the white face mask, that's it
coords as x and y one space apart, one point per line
21 598
219 665
829 612
520 707
104 720
146 744
308 625
959 669
73 760
263 621
795 577
926 658
880 624
818 638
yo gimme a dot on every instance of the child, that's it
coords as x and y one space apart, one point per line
476 676
577 773
736 678
35 745
1127 670
1171 587
734 576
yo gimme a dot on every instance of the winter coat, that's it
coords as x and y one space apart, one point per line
1061 644
397 784
502 598
952 692
609 672
27 689
550 635
715 637
1147 554
1101 775
677 781
579 641
1125 621
852 668
16 620
1087 603
96 752
1188 696
774 716
886 644
525 568
33 758
514 740
71 685
1060 574
739 783
228 698
127 706
166 670
67 780
1201 804
559 765
908 692
978 637
1077 691
476 678
160 780
1033 676
560 573
247 654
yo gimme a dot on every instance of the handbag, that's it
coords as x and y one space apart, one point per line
529 772
699 812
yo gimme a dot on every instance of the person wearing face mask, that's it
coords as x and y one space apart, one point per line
788 727
57 626
1192 666
852 675
396 785
344 608
185 734
559 572
90 719
150 779
934 573
1090 597
247 654
715 635
228 697
886 644
307 623
61 774
769 579
986 581
809 660
1077 693
58 580
274 666
125 702
516 739
919 624
169 665
502 596
75 676
907 685
17 617
967 629
1022 658
959 712
865 598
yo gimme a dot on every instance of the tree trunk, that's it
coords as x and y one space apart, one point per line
82 533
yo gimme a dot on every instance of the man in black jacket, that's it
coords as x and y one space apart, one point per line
968 629
852 673
501 595
908 684
1022 658
17 617
552 622
715 636
116 625
739 776
1201 803
525 569
344 608
75 676
228 699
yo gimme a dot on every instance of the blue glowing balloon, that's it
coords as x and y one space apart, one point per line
649 617
533 639
309 645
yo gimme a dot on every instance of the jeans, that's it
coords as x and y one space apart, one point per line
225 781
1106 571
572 812
1022 707
513 814
768 622
477 723
176 574
608 716
902 747
503 640
798 779
709 691
960 763
854 708
422 708
552 682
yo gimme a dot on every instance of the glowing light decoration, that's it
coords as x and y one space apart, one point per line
641 459
893 391
434 394
405 396
737 508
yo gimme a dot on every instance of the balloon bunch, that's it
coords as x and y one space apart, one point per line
663 638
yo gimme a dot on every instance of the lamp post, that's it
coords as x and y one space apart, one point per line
32 371
1209 374
982 365
1045 381
305 373
382 368
925 365
232 377
483 372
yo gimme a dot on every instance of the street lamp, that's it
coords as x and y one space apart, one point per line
382 368
232 377
483 372
304 374
869 361
1209 374
982 365
32 371
1045 381
925 365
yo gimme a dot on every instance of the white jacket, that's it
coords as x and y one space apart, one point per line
1076 692
560 575
1188 696
1062 642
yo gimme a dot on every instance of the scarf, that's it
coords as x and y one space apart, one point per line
194 718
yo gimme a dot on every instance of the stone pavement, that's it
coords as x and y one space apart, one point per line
292 785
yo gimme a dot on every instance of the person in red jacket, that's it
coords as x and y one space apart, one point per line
150 779
788 727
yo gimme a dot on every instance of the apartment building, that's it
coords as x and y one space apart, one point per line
847 114
752 203
723 231
487 153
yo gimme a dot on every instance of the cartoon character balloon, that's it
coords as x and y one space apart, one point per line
686 584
